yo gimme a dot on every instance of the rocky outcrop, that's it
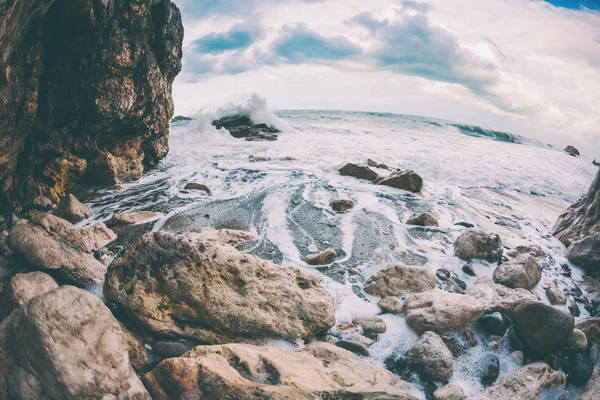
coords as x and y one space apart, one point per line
240 372
474 243
440 311
65 344
582 219
85 91
194 287
242 126
400 280
523 272
497 297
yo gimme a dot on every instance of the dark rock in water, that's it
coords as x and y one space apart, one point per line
513 340
574 310
581 369
544 328
468 269
596 163
262 137
465 224
474 243
241 126
86 91
342 205
582 219
198 186
572 151
358 171
325 257
422 220
171 349
178 118
491 369
443 274
354 347
450 282
553 361
507 223
405 180
494 324
374 164
586 254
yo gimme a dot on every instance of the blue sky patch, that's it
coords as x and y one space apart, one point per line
576 4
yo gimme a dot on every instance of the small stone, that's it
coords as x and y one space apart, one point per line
354 347
555 295
449 392
325 257
491 369
198 186
468 269
574 310
391 305
581 369
342 205
518 356
371 326
494 324
443 274
72 210
422 220
579 340
346 327
400 280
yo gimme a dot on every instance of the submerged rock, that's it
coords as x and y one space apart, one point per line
400 280
474 243
572 151
497 297
242 126
358 171
586 254
241 371
72 209
440 311
327 256
132 218
342 205
198 186
422 220
405 180
544 328
522 272
192 287
432 357
78 351
527 383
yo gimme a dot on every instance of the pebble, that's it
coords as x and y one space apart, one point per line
443 274
468 269
491 371
493 324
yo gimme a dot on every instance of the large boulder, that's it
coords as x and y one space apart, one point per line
193 287
523 272
440 311
241 371
242 126
474 243
586 254
81 81
55 255
406 180
22 288
400 280
72 209
582 219
527 383
544 328
66 344
432 357
497 297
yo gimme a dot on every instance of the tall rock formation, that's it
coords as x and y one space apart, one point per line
85 92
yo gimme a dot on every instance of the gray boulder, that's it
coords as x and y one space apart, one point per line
400 280
522 272
544 328
22 288
474 243
432 357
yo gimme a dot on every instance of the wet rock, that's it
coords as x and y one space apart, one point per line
591 328
465 224
544 328
507 222
491 369
55 255
468 269
227 236
358 171
526 383
327 256
198 186
579 340
553 361
342 205
78 351
400 280
522 272
555 295
497 297
581 369
375 164
518 356
405 180
132 218
72 209
592 388
187 286
586 254
443 274
494 324
241 371
432 357
441 311
449 392
178 118
534 250
371 326
592 287
242 126
22 288
422 220
473 243
391 305
452 283
354 347
572 151
170 349
110 169
43 203
138 354
582 219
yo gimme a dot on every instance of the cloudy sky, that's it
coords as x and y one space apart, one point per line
527 66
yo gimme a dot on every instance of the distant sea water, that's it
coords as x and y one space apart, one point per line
500 182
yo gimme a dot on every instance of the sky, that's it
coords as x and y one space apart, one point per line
531 67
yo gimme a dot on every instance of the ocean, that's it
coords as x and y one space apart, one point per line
497 181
